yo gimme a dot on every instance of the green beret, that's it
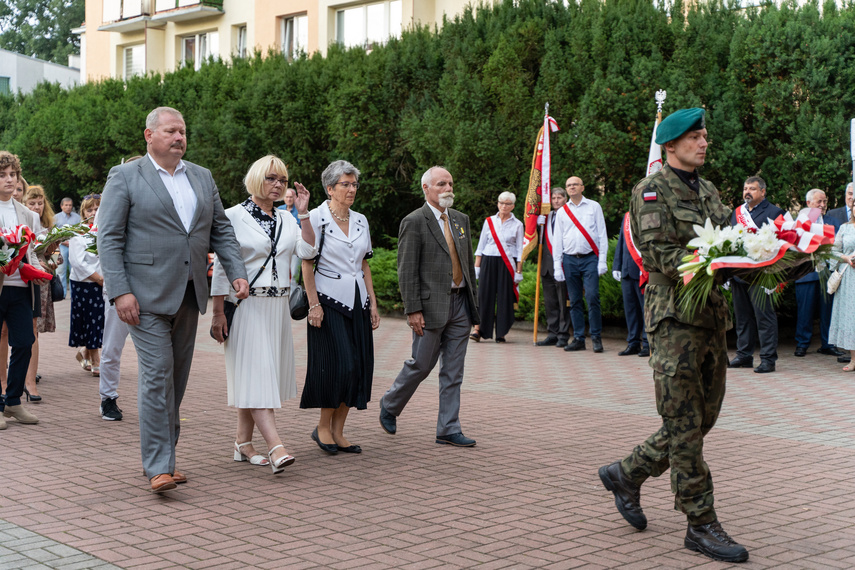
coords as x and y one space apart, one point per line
679 122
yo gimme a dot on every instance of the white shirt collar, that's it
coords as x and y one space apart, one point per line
569 202
180 168
437 213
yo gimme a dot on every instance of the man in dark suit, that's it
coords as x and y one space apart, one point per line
626 271
158 218
844 213
436 276
809 294
554 292
753 310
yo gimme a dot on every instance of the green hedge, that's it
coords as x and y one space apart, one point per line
776 81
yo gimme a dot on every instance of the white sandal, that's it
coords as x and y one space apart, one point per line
280 464
256 459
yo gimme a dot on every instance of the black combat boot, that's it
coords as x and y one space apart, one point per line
711 540
627 494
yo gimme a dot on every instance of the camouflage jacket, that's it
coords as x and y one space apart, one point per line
663 210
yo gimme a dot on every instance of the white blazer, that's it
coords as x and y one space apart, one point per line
340 267
255 247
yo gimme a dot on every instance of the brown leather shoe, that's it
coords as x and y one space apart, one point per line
162 482
179 477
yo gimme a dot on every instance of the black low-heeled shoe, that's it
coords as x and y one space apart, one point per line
349 449
330 448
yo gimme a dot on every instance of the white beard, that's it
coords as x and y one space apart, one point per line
446 200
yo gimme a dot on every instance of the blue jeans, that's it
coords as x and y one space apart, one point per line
581 275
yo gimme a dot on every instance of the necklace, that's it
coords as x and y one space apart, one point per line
340 219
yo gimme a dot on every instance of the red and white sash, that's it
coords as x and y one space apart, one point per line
743 217
504 255
582 229
633 251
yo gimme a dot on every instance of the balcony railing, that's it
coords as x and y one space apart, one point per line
163 5
184 10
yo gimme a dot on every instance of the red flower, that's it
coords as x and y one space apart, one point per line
751 230
789 236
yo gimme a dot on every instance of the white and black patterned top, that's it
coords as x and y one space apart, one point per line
268 224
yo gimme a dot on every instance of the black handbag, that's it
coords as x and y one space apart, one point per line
57 293
298 303
229 308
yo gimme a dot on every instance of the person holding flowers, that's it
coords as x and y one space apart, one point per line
87 294
689 352
841 332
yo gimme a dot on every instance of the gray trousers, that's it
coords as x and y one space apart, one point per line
756 321
115 333
449 342
164 345
557 311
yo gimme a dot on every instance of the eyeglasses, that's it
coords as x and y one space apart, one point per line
92 197
347 185
506 203
274 180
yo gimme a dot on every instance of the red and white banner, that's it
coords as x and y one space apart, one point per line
539 185
654 156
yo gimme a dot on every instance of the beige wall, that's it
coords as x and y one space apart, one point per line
268 14
98 53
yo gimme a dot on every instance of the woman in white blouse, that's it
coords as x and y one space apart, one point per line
498 267
260 371
342 311
87 294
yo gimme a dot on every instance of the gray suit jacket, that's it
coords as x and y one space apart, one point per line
839 214
143 246
424 265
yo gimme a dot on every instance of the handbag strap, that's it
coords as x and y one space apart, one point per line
317 258
266 261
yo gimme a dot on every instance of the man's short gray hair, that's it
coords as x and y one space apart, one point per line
761 184
336 170
153 118
508 197
427 177
813 192
66 199
848 188
558 190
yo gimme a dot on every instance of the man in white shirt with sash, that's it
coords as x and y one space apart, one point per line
579 257
753 310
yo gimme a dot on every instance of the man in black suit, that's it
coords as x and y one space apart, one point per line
554 292
843 214
625 270
753 310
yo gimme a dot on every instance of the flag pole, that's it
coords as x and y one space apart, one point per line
540 253
852 148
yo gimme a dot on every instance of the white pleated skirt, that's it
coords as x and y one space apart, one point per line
260 354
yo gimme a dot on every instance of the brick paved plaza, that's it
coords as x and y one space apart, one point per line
528 496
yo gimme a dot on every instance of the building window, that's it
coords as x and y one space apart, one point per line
134 61
240 47
5 85
369 25
197 48
295 35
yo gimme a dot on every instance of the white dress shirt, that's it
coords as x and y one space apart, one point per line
178 186
510 233
437 213
568 239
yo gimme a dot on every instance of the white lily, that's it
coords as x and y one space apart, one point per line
708 237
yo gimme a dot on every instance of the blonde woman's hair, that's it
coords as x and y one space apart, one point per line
36 192
254 179
88 202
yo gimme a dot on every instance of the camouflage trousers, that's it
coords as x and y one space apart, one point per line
690 365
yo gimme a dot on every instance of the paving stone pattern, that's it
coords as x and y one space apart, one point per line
528 496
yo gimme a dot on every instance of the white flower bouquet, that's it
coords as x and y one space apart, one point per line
769 256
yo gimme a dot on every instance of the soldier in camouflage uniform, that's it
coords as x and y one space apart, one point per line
689 353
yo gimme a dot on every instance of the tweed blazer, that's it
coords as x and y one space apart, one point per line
143 246
424 265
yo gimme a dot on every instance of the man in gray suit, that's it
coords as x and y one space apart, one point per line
436 276
158 218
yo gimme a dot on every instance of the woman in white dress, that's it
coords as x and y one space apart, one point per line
841 331
259 348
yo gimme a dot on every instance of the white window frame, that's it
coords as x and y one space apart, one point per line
140 50
241 47
289 34
389 27
207 44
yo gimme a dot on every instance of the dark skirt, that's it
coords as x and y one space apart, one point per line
87 315
340 364
495 297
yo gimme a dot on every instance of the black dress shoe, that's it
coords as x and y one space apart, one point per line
644 352
630 350
627 494
548 341
846 359
388 421
330 448
500 339
577 344
561 344
598 343
831 351
765 367
711 540
741 362
455 439
800 351
349 449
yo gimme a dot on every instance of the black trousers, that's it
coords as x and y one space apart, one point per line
633 308
495 297
557 311
756 321
16 310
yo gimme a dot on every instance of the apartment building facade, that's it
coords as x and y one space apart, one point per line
123 38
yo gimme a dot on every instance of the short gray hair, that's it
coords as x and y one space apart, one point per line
66 199
848 188
427 177
336 170
153 118
558 190
811 193
508 197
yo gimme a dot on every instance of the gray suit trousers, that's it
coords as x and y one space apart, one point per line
449 342
164 345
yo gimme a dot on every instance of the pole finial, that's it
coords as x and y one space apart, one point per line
660 98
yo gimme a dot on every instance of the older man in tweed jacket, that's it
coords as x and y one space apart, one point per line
437 279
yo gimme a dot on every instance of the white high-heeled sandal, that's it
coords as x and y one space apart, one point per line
280 464
256 459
